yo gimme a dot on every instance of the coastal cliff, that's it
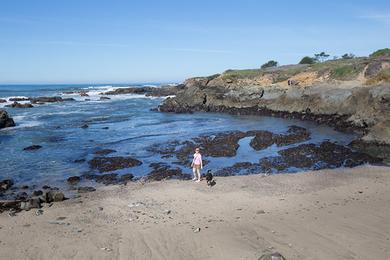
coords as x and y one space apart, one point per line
349 94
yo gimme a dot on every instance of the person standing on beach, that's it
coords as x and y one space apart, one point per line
197 165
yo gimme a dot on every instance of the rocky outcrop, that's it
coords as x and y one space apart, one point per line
19 105
107 164
323 94
5 120
148 91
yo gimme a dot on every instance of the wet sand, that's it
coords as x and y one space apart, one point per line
327 214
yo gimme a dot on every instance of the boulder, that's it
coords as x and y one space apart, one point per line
3 101
5 120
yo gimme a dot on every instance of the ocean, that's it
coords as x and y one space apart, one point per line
125 123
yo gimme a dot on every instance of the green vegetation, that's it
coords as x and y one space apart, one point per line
346 72
321 57
307 60
241 73
348 56
269 64
382 76
380 53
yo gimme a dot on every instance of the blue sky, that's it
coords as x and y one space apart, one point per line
115 41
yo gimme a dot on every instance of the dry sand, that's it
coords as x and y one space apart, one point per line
329 214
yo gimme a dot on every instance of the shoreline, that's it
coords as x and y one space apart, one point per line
325 214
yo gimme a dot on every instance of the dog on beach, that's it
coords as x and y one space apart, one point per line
209 179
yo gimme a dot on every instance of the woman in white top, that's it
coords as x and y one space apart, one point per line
197 165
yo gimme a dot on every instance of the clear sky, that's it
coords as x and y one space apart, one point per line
115 41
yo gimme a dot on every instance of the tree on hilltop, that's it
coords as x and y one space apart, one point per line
307 60
322 56
269 64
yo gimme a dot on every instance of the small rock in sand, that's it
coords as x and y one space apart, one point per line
197 230
273 256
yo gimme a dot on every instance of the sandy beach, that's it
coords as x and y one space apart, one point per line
327 214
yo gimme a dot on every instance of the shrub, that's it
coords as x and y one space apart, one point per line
307 60
380 53
348 56
269 64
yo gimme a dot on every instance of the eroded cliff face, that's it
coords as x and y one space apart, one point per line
350 95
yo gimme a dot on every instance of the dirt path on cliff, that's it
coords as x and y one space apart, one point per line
330 214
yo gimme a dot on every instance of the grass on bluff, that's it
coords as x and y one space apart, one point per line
382 76
342 69
380 53
248 73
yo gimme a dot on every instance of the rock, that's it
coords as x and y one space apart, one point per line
73 180
5 120
162 171
32 203
196 230
83 94
6 184
148 91
105 98
32 148
13 205
107 164
104 152
3 101
52 196
19 105
84 126
127 177
46 187
57 196
273 256
49 100
107 179
21 196
79 160
85 189
38 212
18 99
37 193
260 212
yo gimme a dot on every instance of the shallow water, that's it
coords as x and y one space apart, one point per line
133 127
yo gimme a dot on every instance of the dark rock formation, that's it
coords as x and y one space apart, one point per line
73 180
19 105
107 164
104 152
41 100
18 99
6 184
162 171
5 120
105 98
148 91
32 148
3 101
85 189
295 134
